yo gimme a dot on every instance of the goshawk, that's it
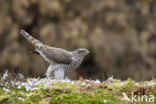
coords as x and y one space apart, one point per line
62 62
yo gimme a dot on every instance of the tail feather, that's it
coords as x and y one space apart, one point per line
36 43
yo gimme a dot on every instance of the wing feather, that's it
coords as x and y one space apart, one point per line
57 55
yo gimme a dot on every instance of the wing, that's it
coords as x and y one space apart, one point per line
57 55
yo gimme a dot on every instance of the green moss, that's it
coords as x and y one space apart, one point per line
83 98
121 86
65 87
59 92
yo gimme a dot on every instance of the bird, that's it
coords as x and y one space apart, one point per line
62 62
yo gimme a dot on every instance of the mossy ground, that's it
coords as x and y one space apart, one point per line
49 91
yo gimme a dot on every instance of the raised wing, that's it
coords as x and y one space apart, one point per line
57 55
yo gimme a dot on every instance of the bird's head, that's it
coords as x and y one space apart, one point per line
81 52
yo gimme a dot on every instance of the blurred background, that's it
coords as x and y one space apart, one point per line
120 34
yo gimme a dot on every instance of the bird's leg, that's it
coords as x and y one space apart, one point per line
50 71
59 74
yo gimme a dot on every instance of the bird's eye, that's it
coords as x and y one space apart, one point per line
80 51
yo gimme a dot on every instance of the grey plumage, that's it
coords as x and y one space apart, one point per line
62 62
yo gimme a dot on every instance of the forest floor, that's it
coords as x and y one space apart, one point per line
50 91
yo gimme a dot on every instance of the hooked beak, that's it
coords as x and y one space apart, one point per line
86 52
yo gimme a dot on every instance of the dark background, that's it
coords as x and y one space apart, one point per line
120 34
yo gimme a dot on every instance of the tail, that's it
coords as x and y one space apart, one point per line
36 43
